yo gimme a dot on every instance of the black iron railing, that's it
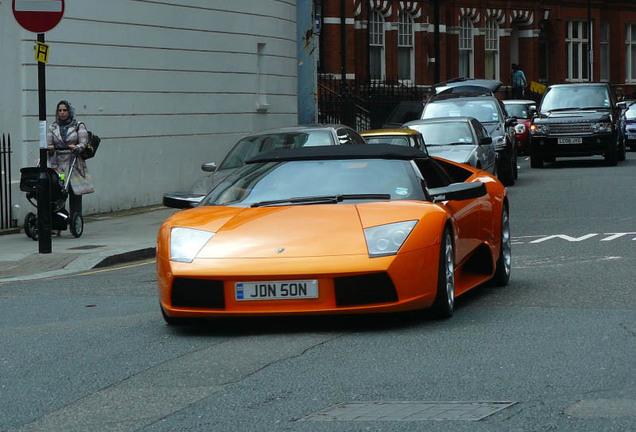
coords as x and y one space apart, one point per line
5 183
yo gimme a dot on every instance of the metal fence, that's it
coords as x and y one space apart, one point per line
362 104
5 183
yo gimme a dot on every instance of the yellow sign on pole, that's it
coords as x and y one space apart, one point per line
536 87
41 52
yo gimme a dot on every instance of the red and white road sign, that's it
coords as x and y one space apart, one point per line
38 16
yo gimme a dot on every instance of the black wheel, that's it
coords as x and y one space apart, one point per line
506 174
536 161
622 151
611 157
444 304
504 262
515 166
77 225
31 225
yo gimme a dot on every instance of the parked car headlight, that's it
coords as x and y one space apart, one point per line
539 129
520 129
185 243
385 240
499 142
601 127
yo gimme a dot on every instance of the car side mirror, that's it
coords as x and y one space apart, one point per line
486 141
511 121
209 167
458 191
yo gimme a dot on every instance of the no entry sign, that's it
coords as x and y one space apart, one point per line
38 16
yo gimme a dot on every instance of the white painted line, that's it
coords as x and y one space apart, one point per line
38 5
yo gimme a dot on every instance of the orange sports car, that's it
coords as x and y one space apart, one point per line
335 229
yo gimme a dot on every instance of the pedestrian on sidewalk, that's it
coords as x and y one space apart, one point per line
519 82
65 139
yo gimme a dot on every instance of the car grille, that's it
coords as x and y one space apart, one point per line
571 129
364 289
198 293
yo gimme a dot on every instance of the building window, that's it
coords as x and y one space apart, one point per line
492 49
465 48
406 50
630 53
576 53
605 51
376 45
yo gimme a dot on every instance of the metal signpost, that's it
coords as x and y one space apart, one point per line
40 16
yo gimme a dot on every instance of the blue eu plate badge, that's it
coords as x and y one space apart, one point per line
239 291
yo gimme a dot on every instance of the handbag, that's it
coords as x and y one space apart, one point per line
91 145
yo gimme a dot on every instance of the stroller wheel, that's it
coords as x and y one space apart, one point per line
77 225
31 226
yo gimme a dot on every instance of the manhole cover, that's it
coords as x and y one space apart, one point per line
408 411
86 247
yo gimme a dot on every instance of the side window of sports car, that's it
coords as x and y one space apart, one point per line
433 174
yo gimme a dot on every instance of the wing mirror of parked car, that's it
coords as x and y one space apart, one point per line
458 191
209 167
485 141
622 105
511 121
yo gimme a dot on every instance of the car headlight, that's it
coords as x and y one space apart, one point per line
601 127
499 142
539 129
520 129
185 243
385 240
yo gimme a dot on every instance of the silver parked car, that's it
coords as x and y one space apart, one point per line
255 144
458 139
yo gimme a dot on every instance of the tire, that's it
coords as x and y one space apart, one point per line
504 261
622 151
536 161
444 304
515 166
77 225
611 157
31 226
506 173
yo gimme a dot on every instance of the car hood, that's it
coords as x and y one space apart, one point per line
455 153
576 115
294 231
494 129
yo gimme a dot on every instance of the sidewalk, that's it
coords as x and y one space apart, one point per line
108 239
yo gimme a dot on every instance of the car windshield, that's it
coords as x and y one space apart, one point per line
436 134
517 110
266 183
483 110
575 97
254 145
387 139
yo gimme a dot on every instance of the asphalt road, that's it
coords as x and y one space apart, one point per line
554 350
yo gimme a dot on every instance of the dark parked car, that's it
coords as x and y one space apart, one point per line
475 98
573 120
255 144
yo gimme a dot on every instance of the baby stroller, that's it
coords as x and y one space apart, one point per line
60 219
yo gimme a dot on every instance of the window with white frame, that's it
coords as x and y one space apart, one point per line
630 53
604 54
492 49
576 50
406 52
465 48
376 45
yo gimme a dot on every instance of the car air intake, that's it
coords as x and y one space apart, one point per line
198 293
364 289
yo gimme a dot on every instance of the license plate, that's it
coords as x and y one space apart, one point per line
631 136
570 141
276 290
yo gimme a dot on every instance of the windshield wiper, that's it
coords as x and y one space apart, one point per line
325 199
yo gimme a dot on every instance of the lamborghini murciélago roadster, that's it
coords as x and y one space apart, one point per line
338 229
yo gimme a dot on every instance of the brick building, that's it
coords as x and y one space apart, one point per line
420 42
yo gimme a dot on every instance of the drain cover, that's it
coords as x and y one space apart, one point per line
408 411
